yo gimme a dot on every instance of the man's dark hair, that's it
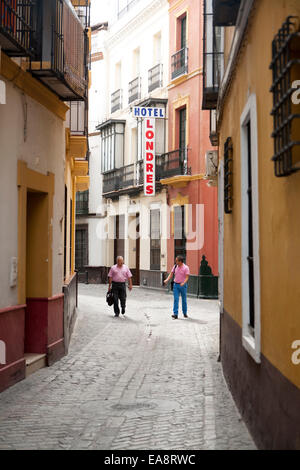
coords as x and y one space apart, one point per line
180 258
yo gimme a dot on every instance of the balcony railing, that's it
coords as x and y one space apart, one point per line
116 101
132 176
62 66
77 118
83 10
134 90
172 164
120 178
17 27
213 70
155 77
179 63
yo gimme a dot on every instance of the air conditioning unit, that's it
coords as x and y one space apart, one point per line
211 164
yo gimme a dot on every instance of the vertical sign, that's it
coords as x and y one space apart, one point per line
149 157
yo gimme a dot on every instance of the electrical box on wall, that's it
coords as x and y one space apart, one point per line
211 164
13 272
2 88
2 92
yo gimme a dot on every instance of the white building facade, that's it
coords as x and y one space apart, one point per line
130 67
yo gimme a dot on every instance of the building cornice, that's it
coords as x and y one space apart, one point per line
183 78
181 181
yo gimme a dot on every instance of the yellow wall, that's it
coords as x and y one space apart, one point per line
76 169
279 199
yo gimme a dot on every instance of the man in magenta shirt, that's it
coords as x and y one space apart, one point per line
117 277
181 274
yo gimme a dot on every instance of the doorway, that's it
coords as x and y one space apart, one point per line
137 247
37 272
37 245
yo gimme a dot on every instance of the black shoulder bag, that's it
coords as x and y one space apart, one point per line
172 282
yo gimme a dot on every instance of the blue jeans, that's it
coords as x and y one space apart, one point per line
177 291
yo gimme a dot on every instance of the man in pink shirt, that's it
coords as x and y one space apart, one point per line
117 277
181 274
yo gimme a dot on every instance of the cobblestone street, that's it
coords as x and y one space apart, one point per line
143 381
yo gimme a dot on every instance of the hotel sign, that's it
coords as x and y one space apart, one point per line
156 113
149 158
149 115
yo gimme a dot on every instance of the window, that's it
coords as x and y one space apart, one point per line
112 145
228 176
179 232
182 136
82 202
119 242
183 40
182 128
155 239
81 248
157 48
134 144
286 118
77 118
118 76
179 60
250 230
136 63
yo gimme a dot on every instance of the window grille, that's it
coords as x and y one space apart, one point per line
285 68
228 176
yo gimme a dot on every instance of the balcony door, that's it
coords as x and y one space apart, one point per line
183 32
179 232
81 247
182 128
182 136
119 243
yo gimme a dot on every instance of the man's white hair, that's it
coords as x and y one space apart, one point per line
120 257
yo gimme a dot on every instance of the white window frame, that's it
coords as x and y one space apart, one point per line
251 343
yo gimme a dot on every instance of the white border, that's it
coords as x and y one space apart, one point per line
251 343
221 234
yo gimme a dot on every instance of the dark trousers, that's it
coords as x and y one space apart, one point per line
119 292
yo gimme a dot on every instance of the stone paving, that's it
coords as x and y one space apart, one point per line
142 381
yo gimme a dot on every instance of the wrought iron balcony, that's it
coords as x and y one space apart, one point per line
179 63
131 177
172 164
17 27
62 65
155 77
118 179
134 90
116 101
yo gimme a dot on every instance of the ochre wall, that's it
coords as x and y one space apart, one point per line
278 199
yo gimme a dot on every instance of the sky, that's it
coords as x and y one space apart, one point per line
99 10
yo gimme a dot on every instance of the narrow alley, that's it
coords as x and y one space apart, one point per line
142 381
